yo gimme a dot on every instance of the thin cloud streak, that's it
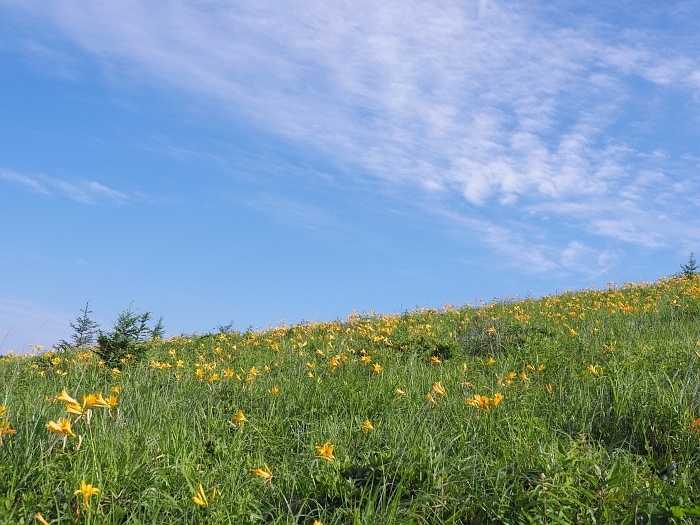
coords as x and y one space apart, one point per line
85 192
484 99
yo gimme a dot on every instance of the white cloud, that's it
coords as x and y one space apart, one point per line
484 99
86 192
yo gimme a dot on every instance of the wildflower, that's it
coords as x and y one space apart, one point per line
435 360
274 390
213 377
497 398
64 397
180 363
572 332
3 410
491 330
201 498
75 408
695 424
239 419
376 368
439 389
595 370
265 472
199 373
5 430
429 397
541 368
318 522
62 427
548 388
523 376
311 365
530 368
310 374
116 372
366 359
367 426
491 361
464 368
253 372
325 451
334 362
86 490
228 373
116 389
400 393
112 401
38 517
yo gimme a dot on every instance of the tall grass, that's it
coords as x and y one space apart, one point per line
597 421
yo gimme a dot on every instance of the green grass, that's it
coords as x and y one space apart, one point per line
605 392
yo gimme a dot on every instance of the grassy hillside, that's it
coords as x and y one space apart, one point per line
575 408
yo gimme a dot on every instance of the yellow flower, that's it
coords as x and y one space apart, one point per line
75 408
180 363
239 419
376 368
497 398
199 373
523 376
439 389
310 374
367 426
213 377
695 424
491 361
5 430
86 490
112 401
253 371
38 517
530 368
400 393
116 372
366 359
201 498
429 397
274 390
334 362
541 368
62 427
264 472
435 360
548 388
63 396
3 410
325 451
318 522
595 370
228 373
116 389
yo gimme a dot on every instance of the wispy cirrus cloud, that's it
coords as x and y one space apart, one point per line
492 101
85 192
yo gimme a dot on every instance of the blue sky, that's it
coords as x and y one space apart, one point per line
257 162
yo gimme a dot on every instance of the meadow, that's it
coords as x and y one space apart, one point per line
581 407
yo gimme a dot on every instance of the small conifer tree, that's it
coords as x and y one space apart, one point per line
84 331
691 268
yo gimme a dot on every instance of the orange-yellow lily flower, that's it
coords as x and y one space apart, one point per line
201 498
86 490
264 472
325 451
